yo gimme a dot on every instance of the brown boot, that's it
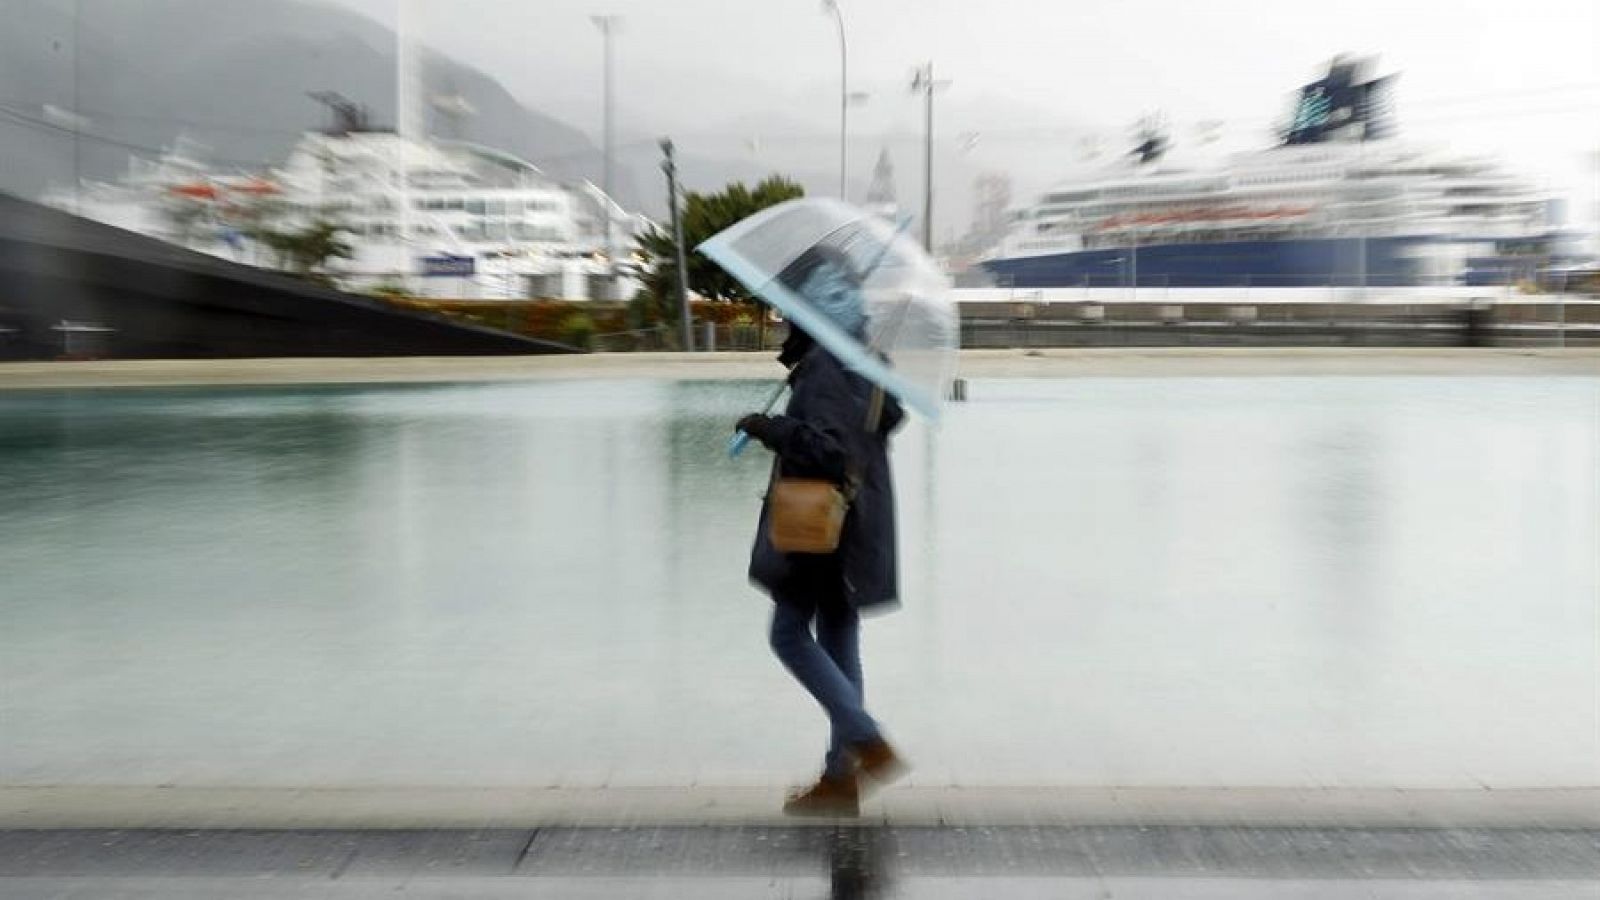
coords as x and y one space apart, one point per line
877 760
828 797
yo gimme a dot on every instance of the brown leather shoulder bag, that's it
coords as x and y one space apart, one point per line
806 515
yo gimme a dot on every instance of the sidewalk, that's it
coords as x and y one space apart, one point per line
839 862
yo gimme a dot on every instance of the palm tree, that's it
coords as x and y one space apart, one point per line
703 216
307 251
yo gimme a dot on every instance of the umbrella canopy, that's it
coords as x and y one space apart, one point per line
855 283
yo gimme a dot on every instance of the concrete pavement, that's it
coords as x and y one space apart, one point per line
836 862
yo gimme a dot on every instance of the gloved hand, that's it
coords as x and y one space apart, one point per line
761 427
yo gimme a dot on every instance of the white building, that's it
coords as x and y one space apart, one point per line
443 219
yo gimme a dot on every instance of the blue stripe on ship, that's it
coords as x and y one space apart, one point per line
1314 262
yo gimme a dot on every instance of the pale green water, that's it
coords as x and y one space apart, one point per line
1153 581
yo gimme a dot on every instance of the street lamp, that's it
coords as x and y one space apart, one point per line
924 81
405 128
608 25
844 92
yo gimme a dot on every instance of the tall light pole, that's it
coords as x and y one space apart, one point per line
670 167
1361 220
924 82
844 95
1133 282
407 85
608 25
407 126
77 130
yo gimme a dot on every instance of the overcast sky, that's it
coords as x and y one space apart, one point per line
1028 77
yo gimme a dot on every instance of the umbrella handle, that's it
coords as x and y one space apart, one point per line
740 440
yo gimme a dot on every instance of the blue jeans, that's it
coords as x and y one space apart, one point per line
828 665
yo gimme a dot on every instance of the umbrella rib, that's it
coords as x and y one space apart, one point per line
765 282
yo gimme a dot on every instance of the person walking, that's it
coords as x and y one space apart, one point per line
835 429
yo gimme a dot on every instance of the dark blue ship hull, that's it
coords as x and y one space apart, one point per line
1317 262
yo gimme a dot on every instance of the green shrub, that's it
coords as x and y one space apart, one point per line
388 290
578 330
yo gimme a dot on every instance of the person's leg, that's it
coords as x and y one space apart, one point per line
810 665
839 635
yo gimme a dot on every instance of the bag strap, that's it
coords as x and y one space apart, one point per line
874 411
869 427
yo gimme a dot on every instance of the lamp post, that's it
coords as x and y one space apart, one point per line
924 82
832 6
670 167
608 25
405 127
77 130
1134 263
1362 224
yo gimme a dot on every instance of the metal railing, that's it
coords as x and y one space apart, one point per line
1158 288
708 336
638 340
1109 324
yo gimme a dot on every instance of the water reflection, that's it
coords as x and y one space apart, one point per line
1300 581
860 863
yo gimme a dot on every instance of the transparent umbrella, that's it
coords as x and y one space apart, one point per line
858 285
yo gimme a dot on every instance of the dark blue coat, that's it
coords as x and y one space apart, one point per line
824 433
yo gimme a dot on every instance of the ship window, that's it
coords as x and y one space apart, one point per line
475 207
525 232
496 207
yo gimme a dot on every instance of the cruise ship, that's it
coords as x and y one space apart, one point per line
429 217
1340 201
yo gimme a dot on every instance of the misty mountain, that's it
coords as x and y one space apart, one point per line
232 75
